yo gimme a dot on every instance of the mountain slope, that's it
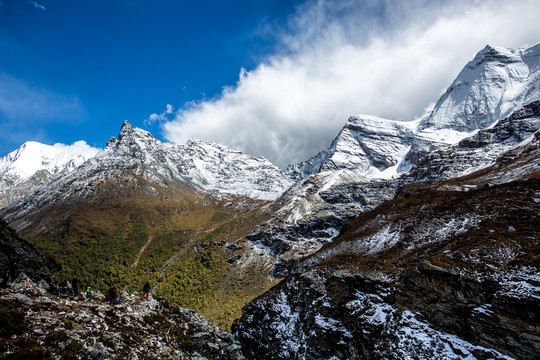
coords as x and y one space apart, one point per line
144 209
445 270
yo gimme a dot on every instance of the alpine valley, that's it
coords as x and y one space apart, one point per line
401 240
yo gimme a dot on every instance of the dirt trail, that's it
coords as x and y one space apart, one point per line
139 254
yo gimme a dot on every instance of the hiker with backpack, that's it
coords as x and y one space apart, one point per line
146 290
88 293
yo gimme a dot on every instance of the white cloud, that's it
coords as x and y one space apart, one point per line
37 6
153 118
386 58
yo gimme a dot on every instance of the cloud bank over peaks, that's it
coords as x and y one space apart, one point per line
385 58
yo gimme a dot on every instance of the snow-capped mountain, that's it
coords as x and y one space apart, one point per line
34 165
204 165
372 157
490 87
446 270
367 145
21 164
136 154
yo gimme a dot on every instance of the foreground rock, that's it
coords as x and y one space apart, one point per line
36 324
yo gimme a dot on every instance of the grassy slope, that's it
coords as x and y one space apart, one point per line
101 240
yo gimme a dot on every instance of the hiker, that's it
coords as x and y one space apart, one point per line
112 294
88 293
146 290
63 287
75 285
69 289
55 289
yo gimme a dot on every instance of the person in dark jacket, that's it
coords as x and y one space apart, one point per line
112 294
146 290
75 285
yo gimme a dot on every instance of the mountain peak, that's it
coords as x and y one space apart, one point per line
126 129
486 90
491 52
130 135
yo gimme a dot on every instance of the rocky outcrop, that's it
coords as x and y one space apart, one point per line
37 324
430 312
479 150
487 313
18 257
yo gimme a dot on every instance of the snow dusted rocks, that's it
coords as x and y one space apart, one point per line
204 165
434 273
368 146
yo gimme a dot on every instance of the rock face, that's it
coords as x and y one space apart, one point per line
446 270
19 257
37 324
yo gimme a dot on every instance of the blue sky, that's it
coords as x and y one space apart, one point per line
274 78
72 70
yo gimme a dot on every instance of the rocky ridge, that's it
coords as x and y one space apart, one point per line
200 165
38 324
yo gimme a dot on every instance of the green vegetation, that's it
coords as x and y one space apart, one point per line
180 246
97 262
